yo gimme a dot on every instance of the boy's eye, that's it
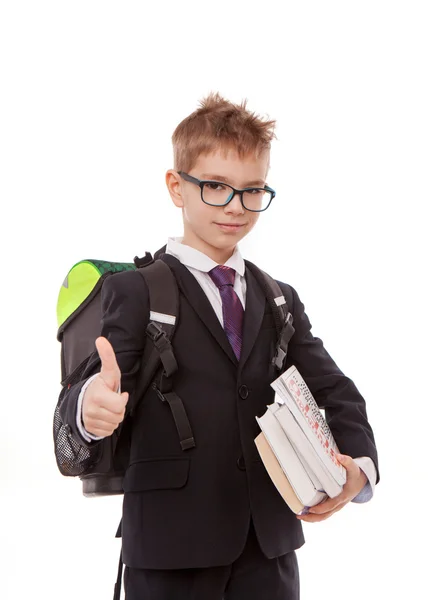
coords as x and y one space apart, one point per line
215 187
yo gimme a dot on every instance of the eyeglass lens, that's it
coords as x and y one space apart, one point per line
218 194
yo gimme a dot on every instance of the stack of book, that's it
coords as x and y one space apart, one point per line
297 447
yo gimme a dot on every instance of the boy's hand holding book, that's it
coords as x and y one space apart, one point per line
356 479
300 453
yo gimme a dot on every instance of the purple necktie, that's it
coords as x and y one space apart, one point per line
233 312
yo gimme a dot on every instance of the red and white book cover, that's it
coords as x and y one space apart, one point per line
292 390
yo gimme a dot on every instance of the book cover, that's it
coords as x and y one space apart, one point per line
294 392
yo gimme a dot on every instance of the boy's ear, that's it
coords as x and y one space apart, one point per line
173 182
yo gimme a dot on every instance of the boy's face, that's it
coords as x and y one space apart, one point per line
215 230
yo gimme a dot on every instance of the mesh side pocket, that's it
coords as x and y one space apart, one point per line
72 458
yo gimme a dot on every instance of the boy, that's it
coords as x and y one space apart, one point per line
207 523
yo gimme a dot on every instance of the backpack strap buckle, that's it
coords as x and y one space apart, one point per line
161 341
154 331
283 341
279 357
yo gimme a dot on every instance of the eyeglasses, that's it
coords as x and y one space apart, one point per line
217 193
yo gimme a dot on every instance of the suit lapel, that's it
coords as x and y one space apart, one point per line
254 311
200 303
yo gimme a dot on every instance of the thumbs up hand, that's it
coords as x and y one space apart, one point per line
103 408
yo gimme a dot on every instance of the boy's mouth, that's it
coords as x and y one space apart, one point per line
230 226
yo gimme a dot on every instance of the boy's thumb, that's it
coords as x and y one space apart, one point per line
109 371
344 460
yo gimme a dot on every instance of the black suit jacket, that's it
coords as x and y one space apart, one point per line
192 508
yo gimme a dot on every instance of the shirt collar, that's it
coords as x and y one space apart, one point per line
190 257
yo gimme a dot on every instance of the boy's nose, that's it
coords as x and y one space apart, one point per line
234 206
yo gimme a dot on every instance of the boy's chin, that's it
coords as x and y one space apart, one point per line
226 242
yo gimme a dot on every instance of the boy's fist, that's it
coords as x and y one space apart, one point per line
103 408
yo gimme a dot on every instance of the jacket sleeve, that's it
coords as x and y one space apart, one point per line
125 316
345 408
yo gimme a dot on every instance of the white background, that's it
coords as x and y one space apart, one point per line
90 95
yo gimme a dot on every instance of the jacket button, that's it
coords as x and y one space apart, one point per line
243 392
240 463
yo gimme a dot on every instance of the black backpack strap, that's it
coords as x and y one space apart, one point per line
164 303
167 394
164 309
117 586
282 317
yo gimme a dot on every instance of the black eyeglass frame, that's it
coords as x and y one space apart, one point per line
202 182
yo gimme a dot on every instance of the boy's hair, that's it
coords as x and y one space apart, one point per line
220 125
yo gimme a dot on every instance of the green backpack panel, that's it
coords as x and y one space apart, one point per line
79 310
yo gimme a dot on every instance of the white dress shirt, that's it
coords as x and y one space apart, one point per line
199 264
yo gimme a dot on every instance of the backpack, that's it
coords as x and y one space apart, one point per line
101 466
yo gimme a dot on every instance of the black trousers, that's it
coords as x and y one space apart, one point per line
251 577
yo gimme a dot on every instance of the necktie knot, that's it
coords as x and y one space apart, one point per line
222 275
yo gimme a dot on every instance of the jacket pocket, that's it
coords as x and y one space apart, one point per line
156 474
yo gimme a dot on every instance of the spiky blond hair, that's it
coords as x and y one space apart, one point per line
220 125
